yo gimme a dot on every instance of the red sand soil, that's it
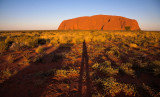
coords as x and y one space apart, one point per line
26 84
23 84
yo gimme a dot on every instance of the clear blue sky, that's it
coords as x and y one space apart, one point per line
48 14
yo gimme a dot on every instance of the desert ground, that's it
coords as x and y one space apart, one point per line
73 63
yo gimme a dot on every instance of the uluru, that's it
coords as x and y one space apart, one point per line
99 22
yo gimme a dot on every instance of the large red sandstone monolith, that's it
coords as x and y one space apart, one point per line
99 22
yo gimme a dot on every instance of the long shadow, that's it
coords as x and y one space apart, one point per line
88 81
25 84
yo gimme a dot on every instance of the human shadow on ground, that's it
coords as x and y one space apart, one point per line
84 67
25 83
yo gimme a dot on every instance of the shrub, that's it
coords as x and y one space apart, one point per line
40 49
142 65
62 73
15 46
54 42
38 58
156 71
105 68
150 90
128 89
67 73
95 66
99 83
30 42
145 44
3 46
127 68
5 74
97 95
72 73
50 72
110 52
26 56
156 67
33 43
128 28
42 41
156 63
111 71
114 51
57 56
110 87
9 40
11 58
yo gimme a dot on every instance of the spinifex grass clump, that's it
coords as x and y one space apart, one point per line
11 58
156 68
63 74
40 49
105 69
110 87
27 57
3 46
127 68
5 74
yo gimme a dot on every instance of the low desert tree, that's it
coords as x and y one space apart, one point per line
128 28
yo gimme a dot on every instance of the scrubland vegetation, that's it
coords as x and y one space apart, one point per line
121 63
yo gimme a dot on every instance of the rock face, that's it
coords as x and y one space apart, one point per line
99 22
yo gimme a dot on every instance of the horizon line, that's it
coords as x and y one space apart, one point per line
78 30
